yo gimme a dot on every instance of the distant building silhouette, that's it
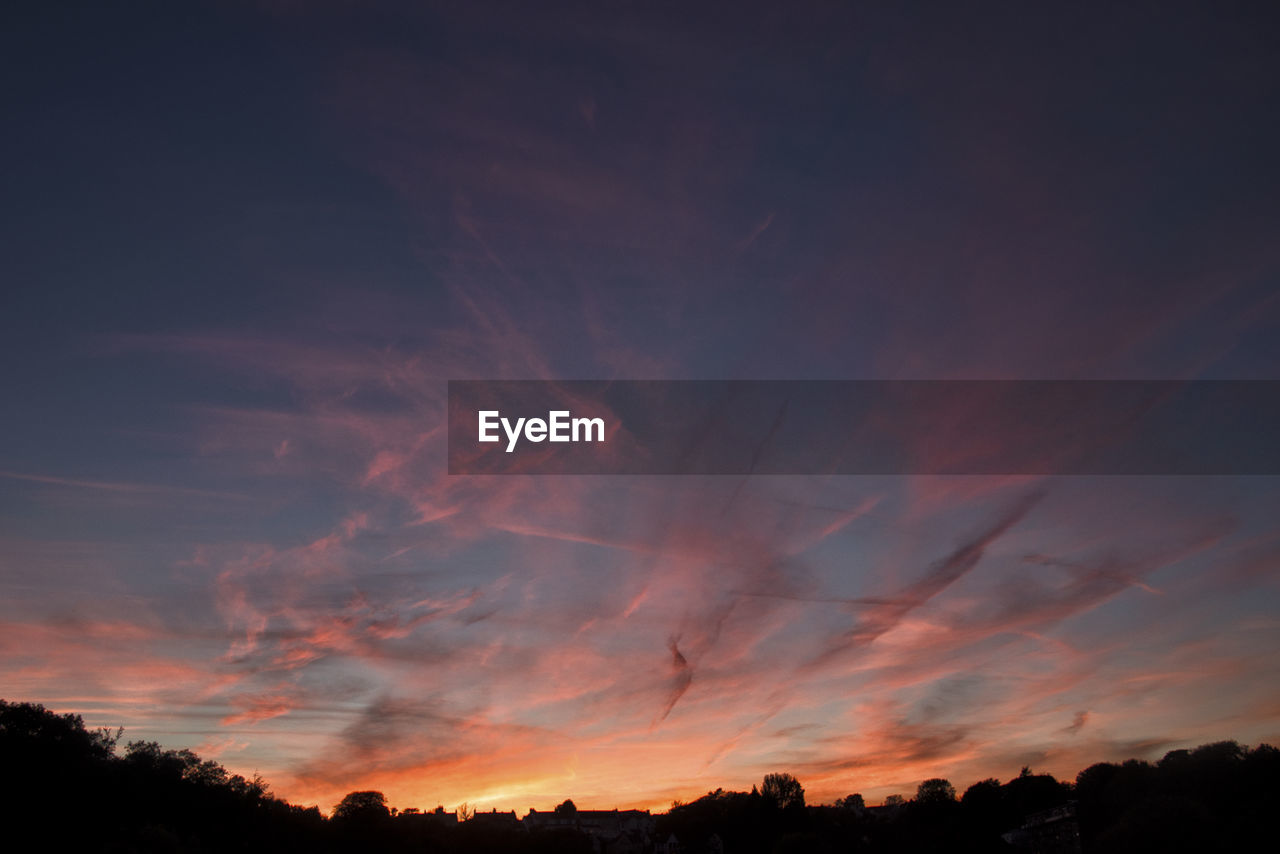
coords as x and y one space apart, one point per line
670 846
611 831
494 818
437 817
1051 831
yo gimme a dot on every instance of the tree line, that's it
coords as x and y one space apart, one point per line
74 788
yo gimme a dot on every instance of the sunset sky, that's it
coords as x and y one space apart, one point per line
245 246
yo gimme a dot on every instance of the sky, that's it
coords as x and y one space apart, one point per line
246 245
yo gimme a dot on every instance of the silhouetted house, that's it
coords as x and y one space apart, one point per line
438 817
550 820
496 819
611 831
1052 831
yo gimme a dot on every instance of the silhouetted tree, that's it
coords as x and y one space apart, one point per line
982 792
1028 793
567 808
783 791
986 811
148 799
934 791
852 802
362 806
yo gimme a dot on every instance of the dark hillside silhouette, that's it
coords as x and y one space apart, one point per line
74 789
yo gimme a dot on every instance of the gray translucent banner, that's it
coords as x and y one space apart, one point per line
989 427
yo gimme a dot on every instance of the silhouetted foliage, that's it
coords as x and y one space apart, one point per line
145 798
783 791
935 791
852 802
362 806
149 799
